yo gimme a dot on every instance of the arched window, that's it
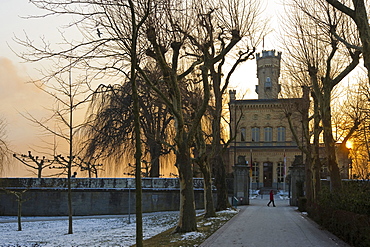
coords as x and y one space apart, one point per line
242 134
281 134
268 134
255 134
268 83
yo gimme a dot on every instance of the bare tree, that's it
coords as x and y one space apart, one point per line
358 12
110 34
111 46
202 141
246 20
109 132
360 150
35 162
69 96
323 57
90 165
205 52
4 150
136 23
20 201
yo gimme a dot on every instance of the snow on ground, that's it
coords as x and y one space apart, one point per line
87 231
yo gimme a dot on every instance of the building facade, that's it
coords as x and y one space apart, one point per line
260 128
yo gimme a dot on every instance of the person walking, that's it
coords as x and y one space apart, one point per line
271 199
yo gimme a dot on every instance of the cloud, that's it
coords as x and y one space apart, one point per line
17 96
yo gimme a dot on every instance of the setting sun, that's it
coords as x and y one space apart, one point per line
349 144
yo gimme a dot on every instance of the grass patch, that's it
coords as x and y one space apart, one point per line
206 227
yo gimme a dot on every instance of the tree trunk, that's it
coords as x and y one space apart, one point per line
208 195
137 130
20 198
187 221
70 221
306 146
220 183
362 21
216 159
309 179
155 152
315 151
360 17
70 159
335 181
138 207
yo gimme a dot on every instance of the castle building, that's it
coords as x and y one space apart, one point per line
261 129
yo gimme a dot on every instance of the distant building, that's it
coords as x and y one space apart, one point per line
263 135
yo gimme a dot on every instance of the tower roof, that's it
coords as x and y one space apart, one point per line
269 53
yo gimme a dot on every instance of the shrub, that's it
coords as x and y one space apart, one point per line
345 213
302 204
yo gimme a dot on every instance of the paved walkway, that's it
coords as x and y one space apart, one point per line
257 225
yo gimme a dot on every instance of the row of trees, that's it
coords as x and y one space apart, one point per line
324 43
167 56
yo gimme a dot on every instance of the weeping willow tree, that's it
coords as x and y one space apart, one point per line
109 132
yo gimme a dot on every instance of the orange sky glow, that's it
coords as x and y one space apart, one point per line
18 97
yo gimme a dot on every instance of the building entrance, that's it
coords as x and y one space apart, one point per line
267 174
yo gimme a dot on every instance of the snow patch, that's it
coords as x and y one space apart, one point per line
191 235
87 231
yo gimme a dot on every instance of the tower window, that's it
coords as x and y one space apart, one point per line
268 84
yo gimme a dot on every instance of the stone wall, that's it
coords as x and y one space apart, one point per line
92 196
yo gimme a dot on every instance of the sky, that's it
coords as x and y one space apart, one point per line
18 96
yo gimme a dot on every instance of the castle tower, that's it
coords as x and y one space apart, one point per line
232 95
268 72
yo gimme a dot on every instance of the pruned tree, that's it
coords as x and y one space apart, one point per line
90 165
358 108
246 20
357 10
118 36
323 60
34 162
200 40
201 145
349 114
20 200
